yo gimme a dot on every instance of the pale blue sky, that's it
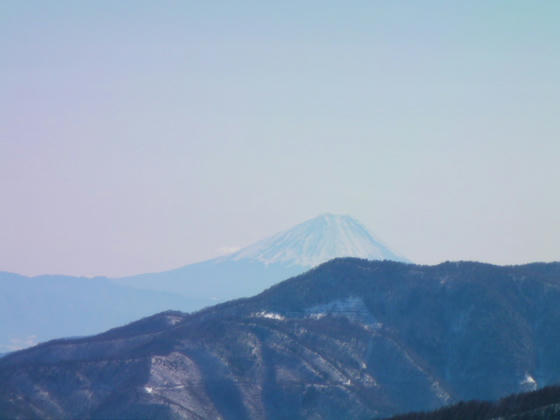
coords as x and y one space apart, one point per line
140 136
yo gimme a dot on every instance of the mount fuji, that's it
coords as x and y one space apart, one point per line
265 263
41 308
316 241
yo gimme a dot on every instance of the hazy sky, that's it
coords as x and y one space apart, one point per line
139 136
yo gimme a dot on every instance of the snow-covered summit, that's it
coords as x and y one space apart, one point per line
316 241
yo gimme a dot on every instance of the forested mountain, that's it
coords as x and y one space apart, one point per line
349 339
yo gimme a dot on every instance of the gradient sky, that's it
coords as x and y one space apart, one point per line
140 136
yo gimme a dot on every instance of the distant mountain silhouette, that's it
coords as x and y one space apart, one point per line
349 339
35 309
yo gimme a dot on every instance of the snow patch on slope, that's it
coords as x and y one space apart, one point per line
528 383
351 307
269 315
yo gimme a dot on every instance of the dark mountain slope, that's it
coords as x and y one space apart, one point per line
349 339
543 404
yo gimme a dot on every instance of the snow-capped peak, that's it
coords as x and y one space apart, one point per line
315 241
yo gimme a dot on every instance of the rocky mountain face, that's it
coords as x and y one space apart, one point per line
349 339
252 269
